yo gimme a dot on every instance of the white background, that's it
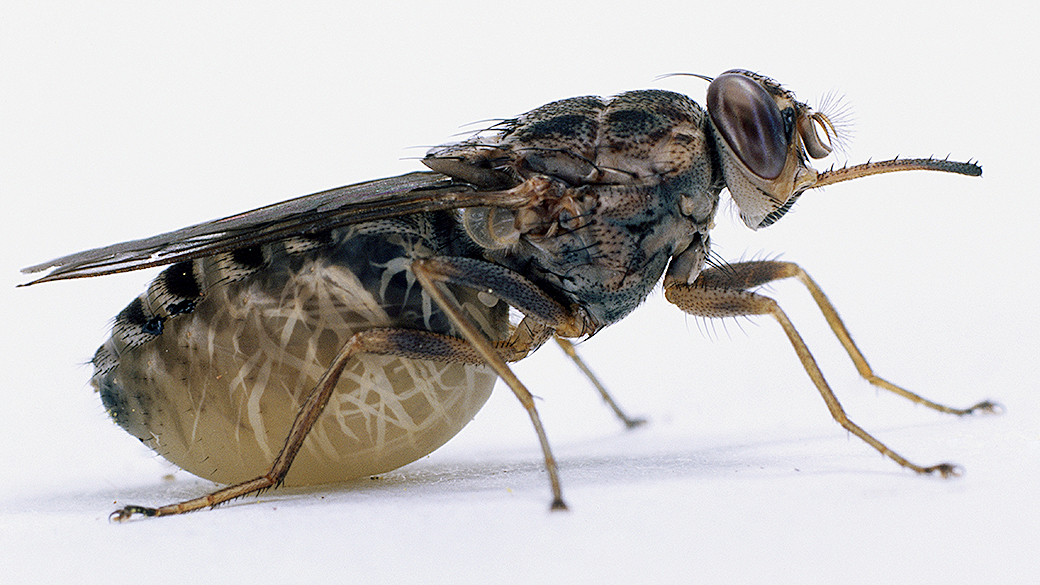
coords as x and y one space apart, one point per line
121 122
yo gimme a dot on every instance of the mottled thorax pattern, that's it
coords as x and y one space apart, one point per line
640 187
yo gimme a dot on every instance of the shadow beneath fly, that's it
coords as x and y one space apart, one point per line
624 459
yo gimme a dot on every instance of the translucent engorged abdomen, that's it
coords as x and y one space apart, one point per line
215 388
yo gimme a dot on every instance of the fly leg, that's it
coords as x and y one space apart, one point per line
536 306
474 348
408 343
724 292
546 314
572 352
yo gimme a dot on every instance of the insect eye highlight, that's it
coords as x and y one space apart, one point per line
750 123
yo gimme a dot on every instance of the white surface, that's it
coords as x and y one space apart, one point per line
123 122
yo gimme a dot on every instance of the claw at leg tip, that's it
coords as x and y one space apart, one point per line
946 470
634 423
558 505
987 407
124 514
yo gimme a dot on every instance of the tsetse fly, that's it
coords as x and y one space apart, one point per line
349 332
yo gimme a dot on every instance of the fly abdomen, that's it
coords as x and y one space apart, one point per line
210 365
174 292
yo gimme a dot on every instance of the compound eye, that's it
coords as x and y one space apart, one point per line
747 118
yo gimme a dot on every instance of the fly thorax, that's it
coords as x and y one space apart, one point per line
634 180
602 248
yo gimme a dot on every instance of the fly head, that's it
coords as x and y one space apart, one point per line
765 138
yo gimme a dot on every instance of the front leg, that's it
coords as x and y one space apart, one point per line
724 292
